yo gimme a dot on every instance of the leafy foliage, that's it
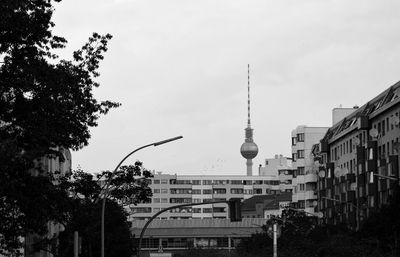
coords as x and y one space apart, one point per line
45 104
301 236
130 182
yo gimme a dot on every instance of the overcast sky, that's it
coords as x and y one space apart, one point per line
179 67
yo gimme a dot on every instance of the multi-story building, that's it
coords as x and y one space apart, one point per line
305 176
360 160
60 166
169 190
282 167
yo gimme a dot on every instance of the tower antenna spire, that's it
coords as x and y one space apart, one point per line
248 95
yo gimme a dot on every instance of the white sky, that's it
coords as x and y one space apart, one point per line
179 67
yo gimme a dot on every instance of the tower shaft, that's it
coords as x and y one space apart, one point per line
249 149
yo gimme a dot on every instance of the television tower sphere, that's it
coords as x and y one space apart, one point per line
249 150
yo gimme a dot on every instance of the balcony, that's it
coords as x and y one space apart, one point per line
351 196
299 196
310 177
310 195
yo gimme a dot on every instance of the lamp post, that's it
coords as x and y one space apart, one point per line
106 188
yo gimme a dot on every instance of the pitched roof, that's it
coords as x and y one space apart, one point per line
377 104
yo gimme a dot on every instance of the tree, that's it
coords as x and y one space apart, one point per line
301 236
45 103
382 229
128 185
296 228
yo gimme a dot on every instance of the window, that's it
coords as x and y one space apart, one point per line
257 191
180 200
164 181
207 200
196 191
219 191
351 145
157 200
164 200
294 141
300 171
387 124
156 191
207 182
183 182
300 137
248 191
181 191
300 154
197 200
207 191
196 182
207 210
294 156
236 182
301 187
220 182
236 190
219 209
196 210
164 191
156 181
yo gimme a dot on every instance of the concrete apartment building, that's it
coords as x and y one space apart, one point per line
305 176
359 159
169 190
281 166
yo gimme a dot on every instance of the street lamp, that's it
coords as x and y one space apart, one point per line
106 188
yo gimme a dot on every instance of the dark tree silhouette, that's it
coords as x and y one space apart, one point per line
45 103
128 185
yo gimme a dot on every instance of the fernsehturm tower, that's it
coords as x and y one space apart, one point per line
249 149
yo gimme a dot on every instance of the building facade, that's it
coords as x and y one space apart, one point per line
305 176
359 159
169 190
282 167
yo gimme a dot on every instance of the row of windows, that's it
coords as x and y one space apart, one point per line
179 210
212 182
189 243
215 190
348 146
386 124
388 148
